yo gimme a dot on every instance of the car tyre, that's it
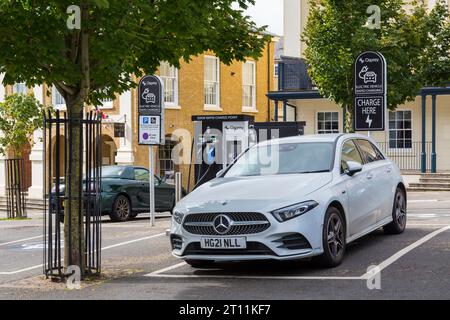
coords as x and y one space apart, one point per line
121 209
200 264
399 211
333 239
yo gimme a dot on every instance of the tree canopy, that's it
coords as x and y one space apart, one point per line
20 116
415 43
117 39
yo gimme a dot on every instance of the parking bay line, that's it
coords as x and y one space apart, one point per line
20 240
386 263
368 275
103 249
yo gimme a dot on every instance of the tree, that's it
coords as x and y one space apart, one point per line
336 33
116 40
20 116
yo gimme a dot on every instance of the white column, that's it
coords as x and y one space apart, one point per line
125 154
36 191
2 157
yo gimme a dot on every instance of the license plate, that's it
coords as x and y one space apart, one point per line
224 243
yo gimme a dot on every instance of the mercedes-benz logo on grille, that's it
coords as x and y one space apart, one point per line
222 224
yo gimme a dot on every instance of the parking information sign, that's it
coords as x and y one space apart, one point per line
150 130
370 92
151 111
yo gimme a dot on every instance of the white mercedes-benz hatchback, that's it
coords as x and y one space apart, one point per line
291 198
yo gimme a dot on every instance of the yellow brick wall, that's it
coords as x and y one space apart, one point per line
191 98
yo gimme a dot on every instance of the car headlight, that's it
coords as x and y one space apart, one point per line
293 211
178 216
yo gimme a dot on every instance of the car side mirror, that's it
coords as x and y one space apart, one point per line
353 168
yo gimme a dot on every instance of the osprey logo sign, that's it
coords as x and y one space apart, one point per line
370 74
370 91
151 111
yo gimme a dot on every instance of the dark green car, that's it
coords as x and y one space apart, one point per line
125 192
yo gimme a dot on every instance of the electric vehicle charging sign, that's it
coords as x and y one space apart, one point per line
151 111
369 113
370 89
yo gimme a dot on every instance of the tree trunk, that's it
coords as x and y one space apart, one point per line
348 114
73 223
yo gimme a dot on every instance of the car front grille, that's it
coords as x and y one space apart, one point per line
241 223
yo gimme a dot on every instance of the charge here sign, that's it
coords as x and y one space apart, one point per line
369 113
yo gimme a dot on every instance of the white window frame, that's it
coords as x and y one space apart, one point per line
174 79
107 103
251 108
405 150
212 107
317 121
59 106
17 85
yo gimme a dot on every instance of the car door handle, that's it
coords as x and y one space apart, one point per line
369 176
389 170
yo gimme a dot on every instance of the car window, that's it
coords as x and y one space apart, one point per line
369 151
349 153
141 174
284 158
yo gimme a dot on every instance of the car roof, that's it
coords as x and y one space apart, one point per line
315 138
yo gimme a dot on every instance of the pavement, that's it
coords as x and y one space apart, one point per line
137 264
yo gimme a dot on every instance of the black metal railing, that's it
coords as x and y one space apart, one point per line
81 241
293 75
408 158
15 188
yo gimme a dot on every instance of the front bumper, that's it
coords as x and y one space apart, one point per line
275 243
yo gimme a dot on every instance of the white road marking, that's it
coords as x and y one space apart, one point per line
424 200
366 276
166 269
20 240
386 263
133 241
159 274
103 249
178 276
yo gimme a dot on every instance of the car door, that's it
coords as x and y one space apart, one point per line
377 179
141 176
358 193
165 195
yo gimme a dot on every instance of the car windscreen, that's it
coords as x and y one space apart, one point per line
284 158
112 172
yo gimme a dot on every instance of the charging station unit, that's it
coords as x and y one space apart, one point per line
218 140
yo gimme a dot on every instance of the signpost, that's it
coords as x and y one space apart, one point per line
370 92
151 125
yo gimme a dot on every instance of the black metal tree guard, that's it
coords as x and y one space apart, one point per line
15 191
57 175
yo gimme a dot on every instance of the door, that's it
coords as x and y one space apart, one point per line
164 194
141 177
358 190
378 176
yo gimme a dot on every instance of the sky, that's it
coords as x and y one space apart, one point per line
270 13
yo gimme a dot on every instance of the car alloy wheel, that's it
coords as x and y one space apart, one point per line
400 209
121 209
399 214
335 236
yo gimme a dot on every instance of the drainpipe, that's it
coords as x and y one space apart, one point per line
424 133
